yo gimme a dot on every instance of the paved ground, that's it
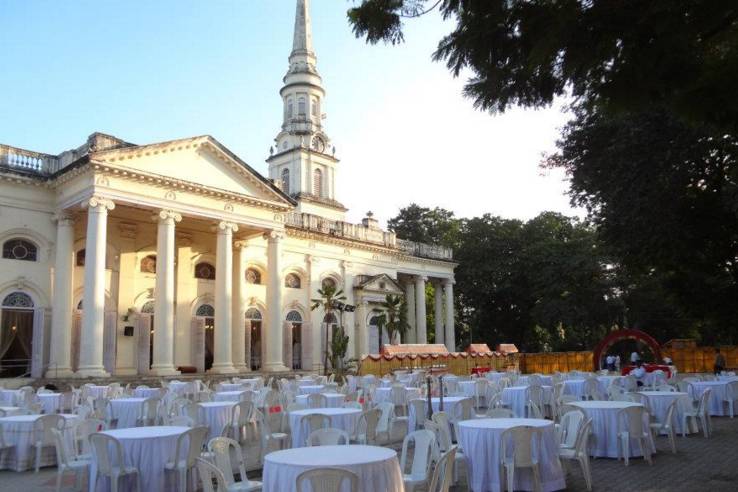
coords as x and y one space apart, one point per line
699 465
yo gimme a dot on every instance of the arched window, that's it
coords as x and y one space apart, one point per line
205 310
19 249
18 300
330 319
290 109
294 317
286 180
301 110
328 282
315 108
148 264
292 281
253 314
79 258
205 271
318 182
253 276
148 307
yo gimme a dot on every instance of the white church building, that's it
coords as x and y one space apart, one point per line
125 259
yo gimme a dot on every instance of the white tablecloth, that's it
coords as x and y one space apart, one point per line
308 389
182 387
49 402
18 431
449 406
96 391
126 410
148 449
232 395
378 468
146 392
480 440
719 393
514 397
231 387
575 387
335 400
10 411
659 402
9 397
341 418
215 414
248 383
604 415
383 394
524 380
495 376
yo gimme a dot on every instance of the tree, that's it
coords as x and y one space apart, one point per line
610 54
424 225
330 296
395 317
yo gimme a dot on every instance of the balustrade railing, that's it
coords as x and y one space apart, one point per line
27 161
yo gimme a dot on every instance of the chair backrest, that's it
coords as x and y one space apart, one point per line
225 452
315 400
242 413
327 480
106 459
581 444
570 423
535 394
192 410
704 402
423 442
444 430
353 404
500 413
180 421
631 419
368 423
315 421
328 437
525 442
443 472
639 398
592 388
193 439
84 429
388 415
63 453
43 426
209 472
150 410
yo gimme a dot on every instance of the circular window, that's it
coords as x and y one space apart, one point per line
205 271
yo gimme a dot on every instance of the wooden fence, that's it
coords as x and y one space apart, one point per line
550 362
700 359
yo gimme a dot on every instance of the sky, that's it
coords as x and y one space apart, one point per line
152 71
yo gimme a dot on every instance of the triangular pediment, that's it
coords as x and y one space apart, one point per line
382 283
202 161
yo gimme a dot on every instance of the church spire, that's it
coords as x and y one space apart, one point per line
303 38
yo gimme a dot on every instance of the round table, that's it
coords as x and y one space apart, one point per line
719 393
341 418
384 394
233 396
18 431
468 388
575 387
495 376
10 411
49 402
378 468
659 402
148 449
545 380
311 388
604 415
231 387
335 400
147 392
515 397
126 410
215 415
181 387
9 397
449 406
97 391
480 440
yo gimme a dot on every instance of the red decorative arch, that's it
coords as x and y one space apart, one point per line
617 335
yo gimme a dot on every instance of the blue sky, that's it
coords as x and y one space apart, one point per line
149 71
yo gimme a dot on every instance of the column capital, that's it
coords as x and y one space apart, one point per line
240 245
420 278
63 218
167 217
274 235
224 226
448 282
98 202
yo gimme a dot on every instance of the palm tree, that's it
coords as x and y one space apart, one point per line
330 296
395 316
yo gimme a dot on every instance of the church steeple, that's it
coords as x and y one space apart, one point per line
304 160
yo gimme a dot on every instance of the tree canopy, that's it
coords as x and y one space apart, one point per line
612 54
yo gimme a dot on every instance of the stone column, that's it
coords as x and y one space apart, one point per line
273 330
361 328
60 359
93 299
163 363
438 312
222 358
348 318
420 321
448 287
410 302
239 309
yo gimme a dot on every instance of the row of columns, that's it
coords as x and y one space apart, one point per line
443 303
91 337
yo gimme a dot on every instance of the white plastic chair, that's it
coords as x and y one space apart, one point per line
443 472
82 432
111 465
149 412
209 472
499 413
568 429
227 456
316 400
731 394
701 413
366 428
67 461
526 445
42 435
632 425
186 454
445 442
328 437
423 442
242 417
592 389
534 401
419 408
180 421
667 425
580 451
314 421
390 426
327 480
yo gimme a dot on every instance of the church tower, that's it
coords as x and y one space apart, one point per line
303 159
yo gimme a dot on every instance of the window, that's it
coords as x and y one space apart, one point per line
79 258
315 108
205 310
19 249
328 282
253 276
18 300
290 109
294 317
253 314
292 281
148 308
148 264
318 182
286 180
301 110
205 271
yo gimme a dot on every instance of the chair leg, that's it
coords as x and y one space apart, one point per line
38 457
511 479
59 475
584 462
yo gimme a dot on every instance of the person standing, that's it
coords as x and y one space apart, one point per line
617 363
635 357
719 362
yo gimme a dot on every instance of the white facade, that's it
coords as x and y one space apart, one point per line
139 259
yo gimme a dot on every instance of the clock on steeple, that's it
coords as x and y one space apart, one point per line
318 144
